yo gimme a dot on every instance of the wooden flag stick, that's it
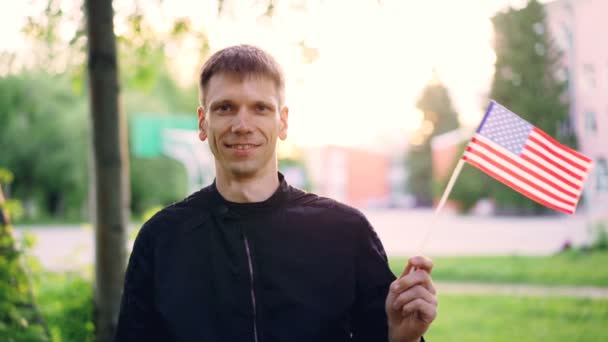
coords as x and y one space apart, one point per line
448 188
442 201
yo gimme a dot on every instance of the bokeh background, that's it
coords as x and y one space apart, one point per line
383 96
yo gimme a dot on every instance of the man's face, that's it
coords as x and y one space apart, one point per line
242 120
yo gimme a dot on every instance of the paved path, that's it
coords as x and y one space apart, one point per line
71 247
401 231
521 290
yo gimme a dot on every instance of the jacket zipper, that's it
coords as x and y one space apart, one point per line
252 290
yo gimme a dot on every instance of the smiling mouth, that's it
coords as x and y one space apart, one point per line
241 147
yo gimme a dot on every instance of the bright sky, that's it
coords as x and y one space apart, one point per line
373 59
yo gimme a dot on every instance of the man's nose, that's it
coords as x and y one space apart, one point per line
241 122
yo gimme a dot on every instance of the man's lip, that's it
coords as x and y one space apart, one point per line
250 145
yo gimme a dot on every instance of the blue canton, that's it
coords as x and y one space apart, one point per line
506 129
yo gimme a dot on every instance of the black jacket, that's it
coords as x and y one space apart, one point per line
296 267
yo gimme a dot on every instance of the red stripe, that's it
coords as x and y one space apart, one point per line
518 164
539 165
520 177
562 146
517 188
551 150
549 171
552 162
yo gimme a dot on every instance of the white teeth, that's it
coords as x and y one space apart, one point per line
242 147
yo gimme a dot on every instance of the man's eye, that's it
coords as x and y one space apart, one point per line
261 108
223 108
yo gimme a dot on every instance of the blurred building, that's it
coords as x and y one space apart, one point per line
355 176
580 28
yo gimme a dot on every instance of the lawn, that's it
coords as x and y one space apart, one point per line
568 268
505 318
65 301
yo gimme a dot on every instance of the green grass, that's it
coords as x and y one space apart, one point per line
569 268
65 302
504 318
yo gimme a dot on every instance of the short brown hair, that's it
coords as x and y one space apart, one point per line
242 60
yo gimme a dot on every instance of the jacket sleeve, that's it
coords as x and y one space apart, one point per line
138 320
369 322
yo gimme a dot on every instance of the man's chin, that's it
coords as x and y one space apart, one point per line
244 171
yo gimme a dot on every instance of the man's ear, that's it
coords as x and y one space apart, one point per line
202 124
283 116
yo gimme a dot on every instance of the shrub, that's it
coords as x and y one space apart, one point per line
20 319
66 301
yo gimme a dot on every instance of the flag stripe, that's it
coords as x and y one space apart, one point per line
571 185
547 158
518 186
584 160
514 171
521 167
534 160
537 151
556 157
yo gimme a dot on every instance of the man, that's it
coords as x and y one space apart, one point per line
250 258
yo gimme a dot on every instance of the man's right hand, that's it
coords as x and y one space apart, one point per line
411 304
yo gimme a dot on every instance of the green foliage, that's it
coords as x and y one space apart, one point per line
19 316
436 105
573 267
157 181
481 318
6 177
146 73
600 242
19 319
44 115
43 131
149 86
14 207
66 301
45 31
439 118
525 81
471 185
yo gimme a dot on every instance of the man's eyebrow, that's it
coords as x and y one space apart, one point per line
268 103
220 102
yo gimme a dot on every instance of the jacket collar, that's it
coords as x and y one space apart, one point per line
223 206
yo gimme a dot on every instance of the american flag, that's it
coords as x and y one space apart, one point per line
528 160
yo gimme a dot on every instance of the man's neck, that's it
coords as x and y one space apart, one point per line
247 190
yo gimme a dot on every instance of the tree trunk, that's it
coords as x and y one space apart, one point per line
110 167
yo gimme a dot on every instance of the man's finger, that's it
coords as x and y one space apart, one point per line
418 262
412 294
426 311
417 277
